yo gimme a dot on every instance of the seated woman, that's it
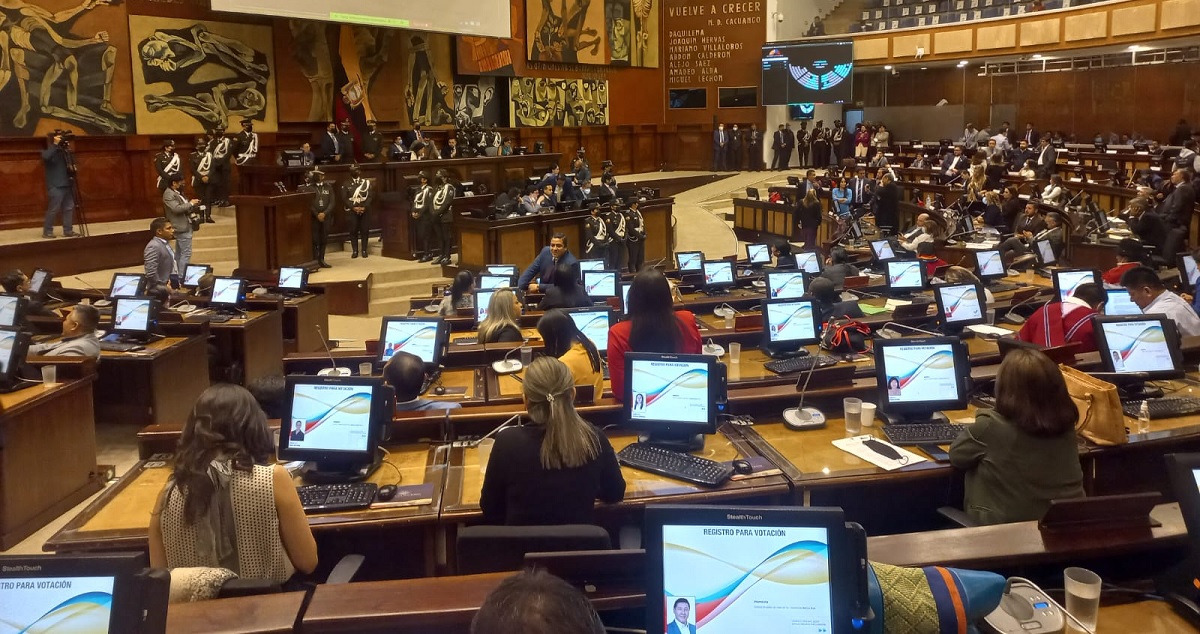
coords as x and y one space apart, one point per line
838 267
653 326
553 471
503 317
1055 194
928 231
828 302
567 291
1027 171
227 505
1022 454
564 341
781 250
462 295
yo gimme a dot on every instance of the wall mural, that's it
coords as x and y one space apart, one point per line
543 103
481 100
571 32
59 67
307 84
486 55
429 79
645 33
201 75
617 25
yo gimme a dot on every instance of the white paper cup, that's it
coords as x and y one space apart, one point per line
49 375
867 415
365 368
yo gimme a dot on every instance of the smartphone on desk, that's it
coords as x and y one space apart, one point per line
937 453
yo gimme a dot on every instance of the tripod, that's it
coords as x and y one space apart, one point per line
80 222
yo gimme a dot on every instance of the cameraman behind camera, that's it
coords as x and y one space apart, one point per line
60 169
185 215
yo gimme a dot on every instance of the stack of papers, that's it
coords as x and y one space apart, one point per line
984 330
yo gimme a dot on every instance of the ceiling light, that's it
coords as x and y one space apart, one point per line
924 68
888 67
1135 48
1037 56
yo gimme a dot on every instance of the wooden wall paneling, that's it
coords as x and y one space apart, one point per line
646 157
694 146
619 150
520 247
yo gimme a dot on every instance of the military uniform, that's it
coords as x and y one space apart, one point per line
596 238
422 212
617 228
372 142
323 202
358 192
443 216
245 147
201 162
635 238
219 180
167 164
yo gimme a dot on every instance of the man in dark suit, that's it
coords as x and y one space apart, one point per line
887 204
331 146
1030 136
809 182
158 257
778 145
372 141
862 189
1017 158
789 143
397 151
60 169
1147 225
954 164
1047 159
451 151
720 147
754 147
540 273
1176 208
345 139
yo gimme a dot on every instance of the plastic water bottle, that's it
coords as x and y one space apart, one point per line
1144 418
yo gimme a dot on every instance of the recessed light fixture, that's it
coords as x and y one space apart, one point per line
924 68
962 63
1135 48
888 67
1037 56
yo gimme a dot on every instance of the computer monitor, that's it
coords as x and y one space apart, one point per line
482 300
135 317
905 276
673 397
193 273
126 285
751 569
600 283
1146 346
1119 303
12 310
228 292
292 278
960 305
689 261
1184 472
1189 273
920 377
106 593
38 282
785 284
625 298
882 250
718 275
590 265
789 324
594 324
758 254
424 337
501 269
1044 252
336 422
13 346
809 262
1067 280
989 265
487 282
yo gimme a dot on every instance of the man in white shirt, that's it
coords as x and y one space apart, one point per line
78 336
1148 292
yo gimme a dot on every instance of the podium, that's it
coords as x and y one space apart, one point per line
274 231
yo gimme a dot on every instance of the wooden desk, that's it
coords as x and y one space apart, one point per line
262 614
47 455
274 230
301 317
157 385
254 341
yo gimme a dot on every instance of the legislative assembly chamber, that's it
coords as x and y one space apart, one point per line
532 316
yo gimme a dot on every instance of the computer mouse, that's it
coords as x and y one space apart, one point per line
742 467
386 492
439 390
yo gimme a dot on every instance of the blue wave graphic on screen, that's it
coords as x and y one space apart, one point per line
691 379
391 347
1150 337
803 311
819 80
908 268
356 404
940 360
83 614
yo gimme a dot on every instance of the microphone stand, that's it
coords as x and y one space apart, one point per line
886 333
333 370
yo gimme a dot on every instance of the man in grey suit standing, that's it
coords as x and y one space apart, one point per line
60 169
178 209
78 338
158 256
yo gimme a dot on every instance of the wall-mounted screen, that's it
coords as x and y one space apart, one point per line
688 98
809 72
740 97
488 18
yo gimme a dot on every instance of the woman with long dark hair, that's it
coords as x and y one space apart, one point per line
462 295
653 326
564 341
567 291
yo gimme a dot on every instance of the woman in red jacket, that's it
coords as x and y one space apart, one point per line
653 326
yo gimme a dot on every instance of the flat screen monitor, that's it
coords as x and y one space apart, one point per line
335 421
905 276
961 304
790 323
424 337
758 254
13 346
807 72
1119 303
489 282
38 282
919 377
1139 343
292 278
785 284
600 283
482 301
625 298
590 265
126 285
689 261
1067 280
990 265
193 273
478 18
12 310
135 315
1189 273
718 274
228 292
594 324
883 250
1044 252
501 269
1184 471
809 262
671 396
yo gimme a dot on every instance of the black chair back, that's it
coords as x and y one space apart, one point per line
502 548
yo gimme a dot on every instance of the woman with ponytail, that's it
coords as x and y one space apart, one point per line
551 471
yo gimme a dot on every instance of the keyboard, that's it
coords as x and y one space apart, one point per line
1001 287
1164 407
922 433
675 464
466 341
117 346
219 318
799 364
326 498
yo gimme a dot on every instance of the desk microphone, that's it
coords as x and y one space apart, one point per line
515 421
1015 319
507 365
800 418
865 294
887 333
334 370
725 310
99 303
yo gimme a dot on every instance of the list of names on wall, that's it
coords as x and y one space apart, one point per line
706 41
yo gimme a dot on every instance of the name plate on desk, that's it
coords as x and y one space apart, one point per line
748 322
411 495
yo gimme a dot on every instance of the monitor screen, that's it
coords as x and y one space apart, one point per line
600 283
809 262
488 282
718 273
420 336
594 324
193 273
922 373
990 265
1139 343
78 593
1066 281
883 250
689 261
758 253
961 304
590 265
668 388
10 346
905 275
1044 251
292 278
816 72
126 285
625 298
328 417
791 321
38 280
1119 303
501 269
482 300
132 314
785 284
10 310
1188 270
227 291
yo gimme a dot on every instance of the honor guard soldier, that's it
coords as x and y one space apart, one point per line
322 205
617 230
422 212
802 143
245 144
635 235
201 162
443 214
358 194
167 163
372 141
596 239
222 150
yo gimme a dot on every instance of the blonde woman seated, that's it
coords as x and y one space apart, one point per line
960 275
227 505
503 319
553 471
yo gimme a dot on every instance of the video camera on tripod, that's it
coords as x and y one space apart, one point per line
64 138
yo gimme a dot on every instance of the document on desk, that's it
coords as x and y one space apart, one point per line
411 495
869 309
857 446
892 304
985 330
